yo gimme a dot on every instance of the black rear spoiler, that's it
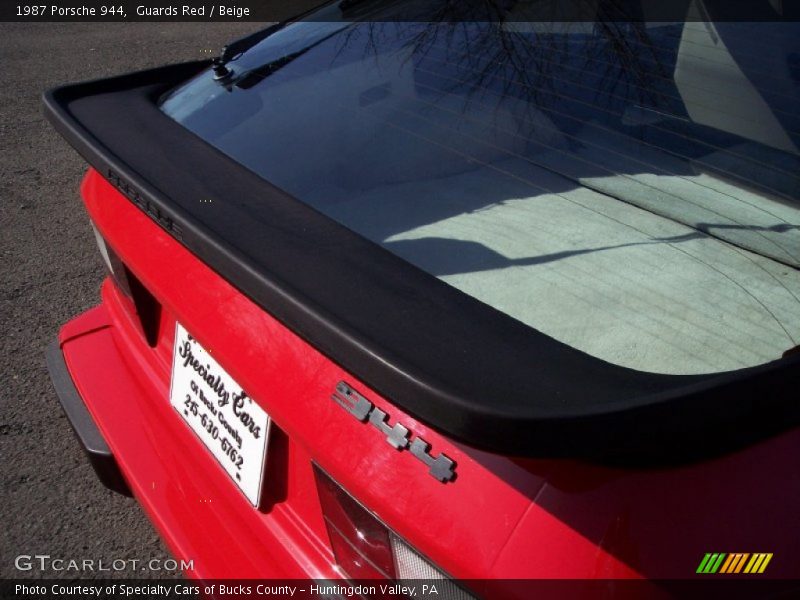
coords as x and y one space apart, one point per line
460 366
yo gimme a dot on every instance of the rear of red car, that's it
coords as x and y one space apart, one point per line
329 350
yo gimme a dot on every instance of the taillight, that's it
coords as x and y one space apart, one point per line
364 548
360 542
411 565
114 265
147 308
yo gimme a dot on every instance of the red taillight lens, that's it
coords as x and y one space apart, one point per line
365 548
360 542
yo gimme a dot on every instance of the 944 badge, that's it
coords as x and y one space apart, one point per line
442 467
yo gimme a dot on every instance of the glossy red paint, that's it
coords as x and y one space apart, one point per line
501 518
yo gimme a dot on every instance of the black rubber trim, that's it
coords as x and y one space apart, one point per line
453 362
89 436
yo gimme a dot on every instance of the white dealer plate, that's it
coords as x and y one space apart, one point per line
231 425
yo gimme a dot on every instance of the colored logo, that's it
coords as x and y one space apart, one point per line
737 562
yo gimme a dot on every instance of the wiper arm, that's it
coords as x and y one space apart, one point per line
252 77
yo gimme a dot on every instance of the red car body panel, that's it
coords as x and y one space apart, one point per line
501 518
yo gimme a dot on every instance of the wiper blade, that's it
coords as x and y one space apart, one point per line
252 77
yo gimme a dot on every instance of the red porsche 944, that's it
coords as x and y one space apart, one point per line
403 290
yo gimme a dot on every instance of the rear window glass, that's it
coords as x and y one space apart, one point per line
630 189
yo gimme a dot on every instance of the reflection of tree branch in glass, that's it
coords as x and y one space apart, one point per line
627 187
